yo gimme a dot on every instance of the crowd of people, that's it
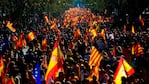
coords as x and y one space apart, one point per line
116 41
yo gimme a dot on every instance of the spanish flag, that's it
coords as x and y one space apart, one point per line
44 44
133 29
31 36
94 63
1 66
123 70
9 25
55 64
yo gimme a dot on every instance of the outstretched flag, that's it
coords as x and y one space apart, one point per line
55 64
123 70
36 73
94 63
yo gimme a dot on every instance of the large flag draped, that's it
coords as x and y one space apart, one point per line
123 70
55 64
36 73
94 62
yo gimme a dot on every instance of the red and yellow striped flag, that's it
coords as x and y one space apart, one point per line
1 66
94 60
123 70
31 36
55 63
9 25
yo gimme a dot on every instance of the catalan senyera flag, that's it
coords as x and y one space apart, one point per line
94 61
31 36
44 44
123 70
133 29
9 25
55 64
1 65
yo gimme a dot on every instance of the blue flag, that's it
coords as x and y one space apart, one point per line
36 73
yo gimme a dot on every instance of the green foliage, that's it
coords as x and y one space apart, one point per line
59 6
94 5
